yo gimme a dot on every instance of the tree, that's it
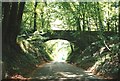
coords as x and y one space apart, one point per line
99 17
35 14
12 16
119 20
11 28
119 36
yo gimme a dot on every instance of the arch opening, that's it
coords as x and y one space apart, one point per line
58 49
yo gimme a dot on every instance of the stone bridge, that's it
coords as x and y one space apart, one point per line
80 39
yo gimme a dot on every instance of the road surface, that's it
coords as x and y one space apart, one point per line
61 71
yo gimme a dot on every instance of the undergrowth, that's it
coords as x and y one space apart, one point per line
101 57
26 58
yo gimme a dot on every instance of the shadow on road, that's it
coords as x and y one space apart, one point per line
60 71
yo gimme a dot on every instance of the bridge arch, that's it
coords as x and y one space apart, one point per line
58 49
80 39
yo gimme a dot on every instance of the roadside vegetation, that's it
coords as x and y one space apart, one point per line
94 29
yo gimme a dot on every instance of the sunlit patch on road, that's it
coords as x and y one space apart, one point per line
69 74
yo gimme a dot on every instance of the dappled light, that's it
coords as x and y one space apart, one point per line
57 25
69 74
56 70
58 49
60 40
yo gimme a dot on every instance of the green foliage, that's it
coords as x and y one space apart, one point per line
110 64
58 50
37 40
98 58
82 16
31 53
37 36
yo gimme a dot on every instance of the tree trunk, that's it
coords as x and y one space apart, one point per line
78 24
5 21
83 21
12 16
35 14
88 20
99 17
20 13
83 16
119 38
96 17
108 20
12 24
42 19
78 17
